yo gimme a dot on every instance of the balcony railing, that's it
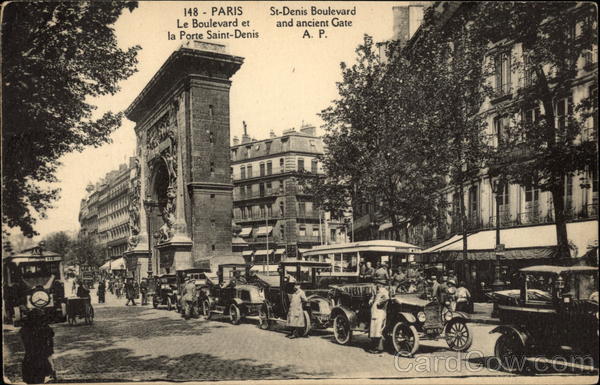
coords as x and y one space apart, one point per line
472 222
257 217
258 194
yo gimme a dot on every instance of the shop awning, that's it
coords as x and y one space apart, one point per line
263 252
106 266
302 251
531 242
245 231
279 251
117 264
385 226
263 231
247 253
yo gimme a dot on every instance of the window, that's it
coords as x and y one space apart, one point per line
501 126
234 154
315 232
502 73
212 168
529 71
269 189
302 231
591 127
281 165
568 195
262 212
563 108
211 111
269 167
503 195
270 210
268 147
314 166
249 170
262 169
301 209
333 235
473 201
532 194
281 209
300 164
282 186
211 137
262 189
282 231
243 172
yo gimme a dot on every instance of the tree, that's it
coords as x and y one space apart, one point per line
86 251
543 144
447 58
56 56
376 153
59 242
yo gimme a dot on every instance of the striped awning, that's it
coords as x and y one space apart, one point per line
245 231
263 231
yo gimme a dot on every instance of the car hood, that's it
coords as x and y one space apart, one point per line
410 299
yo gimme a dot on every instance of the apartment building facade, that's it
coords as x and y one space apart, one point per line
275 215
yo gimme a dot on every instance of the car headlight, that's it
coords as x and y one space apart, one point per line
421 316
39 298
448 316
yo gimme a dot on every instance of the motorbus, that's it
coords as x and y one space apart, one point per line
33 279
345 258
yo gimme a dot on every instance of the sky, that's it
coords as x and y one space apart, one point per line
285 80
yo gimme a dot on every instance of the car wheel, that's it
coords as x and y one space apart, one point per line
405 339
341 330
263 319
234 314
307 324
509 352
458 335
169 304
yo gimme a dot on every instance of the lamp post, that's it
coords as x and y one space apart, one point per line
497 189
149 206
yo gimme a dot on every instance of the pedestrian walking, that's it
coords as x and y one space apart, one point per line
295 317
188 298
38 342
101 291
144 291
378 315
82 291
463 298
129 292
136 289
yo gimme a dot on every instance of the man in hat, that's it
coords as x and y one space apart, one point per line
378 303
188 297
381 274
295 317
144 291
129 292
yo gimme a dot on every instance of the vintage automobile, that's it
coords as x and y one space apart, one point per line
33 279
231 296
200 280
410 318
555 310
165 293
80 308
276 305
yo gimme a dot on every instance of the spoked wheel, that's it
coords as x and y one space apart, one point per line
169 304
458 335
341 330
509 352
234 314
307 325
405 339
263 319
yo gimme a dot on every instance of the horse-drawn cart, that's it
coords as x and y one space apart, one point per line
80 308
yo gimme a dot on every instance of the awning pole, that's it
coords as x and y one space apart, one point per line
267 229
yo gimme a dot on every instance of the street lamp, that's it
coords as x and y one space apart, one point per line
497 188
149 206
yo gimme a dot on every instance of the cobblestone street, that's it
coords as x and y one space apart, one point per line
142 343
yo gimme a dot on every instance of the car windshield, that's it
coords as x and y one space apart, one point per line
303 274
39 269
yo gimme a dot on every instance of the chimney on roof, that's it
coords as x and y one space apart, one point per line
272 134
308 129
246 138
236 141
407 19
